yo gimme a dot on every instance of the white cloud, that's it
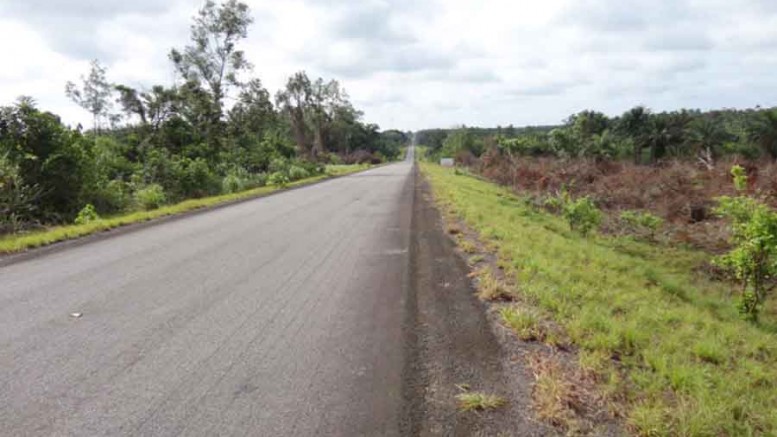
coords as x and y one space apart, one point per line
414 64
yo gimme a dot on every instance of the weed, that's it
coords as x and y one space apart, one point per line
555 399
490 287
475 259
467 246
525 323
87 215
479 401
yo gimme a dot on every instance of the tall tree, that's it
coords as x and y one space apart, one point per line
93 94
294 101
213 59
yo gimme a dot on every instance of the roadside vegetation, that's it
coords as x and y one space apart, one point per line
89 222
656 324
215 131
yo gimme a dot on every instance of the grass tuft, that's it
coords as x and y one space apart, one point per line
491 288
479 401
524 322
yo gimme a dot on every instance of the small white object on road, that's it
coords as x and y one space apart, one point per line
75 315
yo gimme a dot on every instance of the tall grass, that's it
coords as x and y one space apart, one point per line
667 342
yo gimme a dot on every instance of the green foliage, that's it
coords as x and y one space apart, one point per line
180 137
296 173
582 215
753 260
740 177
17 200
87 214
235 181
278 179
150 197
641 222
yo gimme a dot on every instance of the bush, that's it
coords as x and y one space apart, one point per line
235 181
150 197
194 178
278 165
582 215
111 197
17 200
256 180
297 173
753 260
87 214
279 179
641 222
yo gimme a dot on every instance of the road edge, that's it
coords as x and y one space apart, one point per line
8 259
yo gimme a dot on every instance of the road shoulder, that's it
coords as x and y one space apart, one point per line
456 348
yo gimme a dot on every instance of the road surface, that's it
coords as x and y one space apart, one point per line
278 316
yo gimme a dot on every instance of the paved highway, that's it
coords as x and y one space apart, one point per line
277 316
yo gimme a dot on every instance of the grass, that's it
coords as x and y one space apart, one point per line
661 338
491 288
19 242
555 398
479 401
524 322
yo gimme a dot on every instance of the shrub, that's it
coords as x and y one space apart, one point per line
279 179
641 222
111 197
87 214
256 180
296 173
235 181
582 214
194 178
753 260
150 197
278 165
17 200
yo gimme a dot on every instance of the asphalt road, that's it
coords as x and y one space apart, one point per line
278 316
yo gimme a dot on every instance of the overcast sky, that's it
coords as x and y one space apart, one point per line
412 64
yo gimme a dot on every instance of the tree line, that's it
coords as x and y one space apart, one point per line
216 129
639 135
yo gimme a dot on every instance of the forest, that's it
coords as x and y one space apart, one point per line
217 129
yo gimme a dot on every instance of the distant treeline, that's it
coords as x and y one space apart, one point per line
216 129
638 134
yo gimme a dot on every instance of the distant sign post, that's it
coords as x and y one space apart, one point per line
446 162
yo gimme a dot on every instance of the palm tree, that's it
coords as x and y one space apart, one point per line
765 132
634 123
705 136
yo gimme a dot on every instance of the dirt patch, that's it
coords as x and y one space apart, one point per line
456 348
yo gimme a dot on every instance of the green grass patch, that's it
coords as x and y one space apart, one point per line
477 401
23 241
689 364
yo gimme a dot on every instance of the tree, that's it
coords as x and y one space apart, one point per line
764 132
293 101
94 93
704 137
213 57
753 260
635 123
